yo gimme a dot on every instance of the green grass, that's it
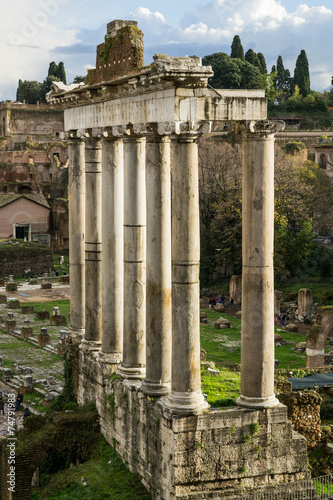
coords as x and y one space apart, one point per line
223 390
223 346
106 476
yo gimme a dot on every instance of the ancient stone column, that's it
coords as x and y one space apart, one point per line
112 247
185 395
134 348
159 322
93 238
76 197
257 344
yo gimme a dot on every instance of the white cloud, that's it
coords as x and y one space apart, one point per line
147 15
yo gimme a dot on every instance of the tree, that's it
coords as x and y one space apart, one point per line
302 74
28 91
262 62
46 86
61 73
237 51
79 79
232 73
280 75
252 58
53 69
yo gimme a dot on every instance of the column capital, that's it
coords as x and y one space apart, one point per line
193 128
115 132
262 127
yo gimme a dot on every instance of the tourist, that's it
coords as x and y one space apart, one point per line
19 400
2 406
232 302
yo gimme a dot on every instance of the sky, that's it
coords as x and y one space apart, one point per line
36 32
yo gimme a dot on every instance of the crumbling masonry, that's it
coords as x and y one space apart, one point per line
134 257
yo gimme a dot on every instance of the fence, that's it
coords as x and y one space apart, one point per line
320 488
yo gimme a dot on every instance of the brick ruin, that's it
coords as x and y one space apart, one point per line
134 260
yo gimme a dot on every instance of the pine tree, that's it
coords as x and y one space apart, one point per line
302 74
61 73
262 61
237 51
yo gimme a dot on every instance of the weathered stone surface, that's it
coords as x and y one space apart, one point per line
58 320
10 325
203 354
11 287
26 331
329 448
291 327
219 308
235 289
300 346
305 301
3 299
43 339
43 314
46 286
277 337
222 323
203 316
64 279
27 309
238 314
13 304
213 372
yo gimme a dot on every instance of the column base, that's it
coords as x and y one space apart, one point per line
183 403
76 333
90 345
113 358
152 389
257 403
132 372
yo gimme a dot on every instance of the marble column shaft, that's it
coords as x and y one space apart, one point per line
76 197
134 349
112 248
186 395
93 246
257 342
159 317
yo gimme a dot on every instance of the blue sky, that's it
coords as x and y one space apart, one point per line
38 31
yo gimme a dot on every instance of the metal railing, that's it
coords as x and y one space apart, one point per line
319 488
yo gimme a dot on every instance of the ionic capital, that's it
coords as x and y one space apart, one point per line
265 126
193 128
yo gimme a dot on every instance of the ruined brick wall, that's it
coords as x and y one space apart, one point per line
304 412
119 54
32 119
218 453
15 260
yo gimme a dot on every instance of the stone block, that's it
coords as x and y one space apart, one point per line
213 372
13 304
58 320
291 327
28 381
277 338
46 286
43 314
64 279
222 323
203 316
61 348
10 325
11 287
26 331
238 314
43 339
3 299
203 354
305 301
27 309
7 373
219 308
2 282
235 289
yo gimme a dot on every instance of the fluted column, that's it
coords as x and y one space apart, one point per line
93 245
257 343
134 348
185 395
112 247
76 197
159 319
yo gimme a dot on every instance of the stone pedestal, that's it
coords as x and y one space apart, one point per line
43 339
93 239
58 320
134 351
3 299
13 304
76 197
257 342
11 287
26 332
43 314
113 247
64 279
27 309
10 325
46 286
159 317
2 283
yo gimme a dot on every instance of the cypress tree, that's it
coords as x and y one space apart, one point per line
281 74
61 73
302 74
237 51
262 61
252 58
53 69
